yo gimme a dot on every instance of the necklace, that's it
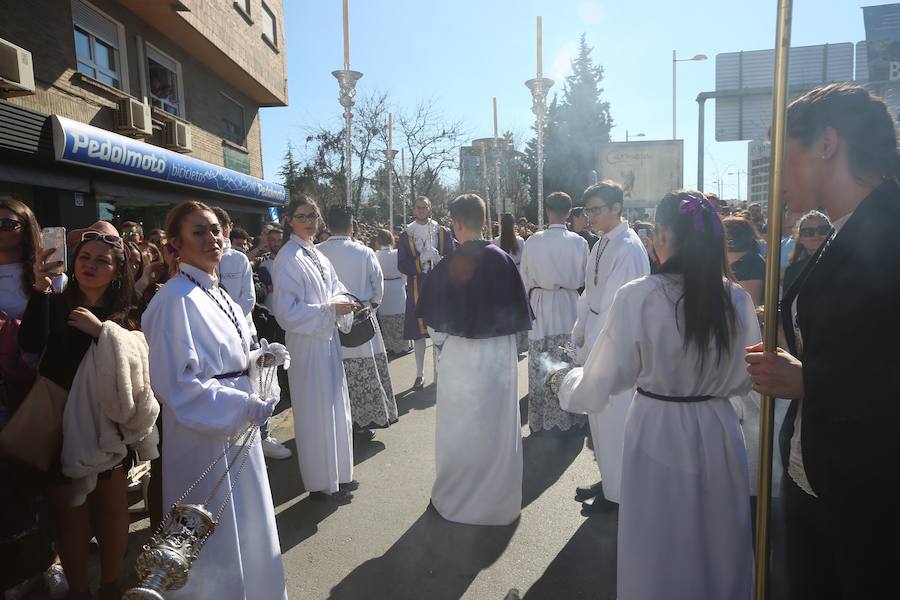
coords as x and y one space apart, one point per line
226 310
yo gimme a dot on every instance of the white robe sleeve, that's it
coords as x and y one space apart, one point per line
293 312
247 297
748 325
199 403
612 366
581 312
376 278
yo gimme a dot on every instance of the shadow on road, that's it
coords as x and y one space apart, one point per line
419 400
546 458
585 567
301 521
434 559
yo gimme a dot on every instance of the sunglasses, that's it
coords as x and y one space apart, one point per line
593 210
130 234
10 225
812 231
112 240
301 218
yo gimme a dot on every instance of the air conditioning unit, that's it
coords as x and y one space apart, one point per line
16 71
177 136
133 117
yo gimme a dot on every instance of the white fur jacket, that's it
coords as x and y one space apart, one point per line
110 406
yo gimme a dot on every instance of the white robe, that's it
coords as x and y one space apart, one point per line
517 257
236 277
617 258
478 434
303 304
394 300
191 340
684 519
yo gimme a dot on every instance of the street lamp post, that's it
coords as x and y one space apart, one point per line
675 60
636 135
739 172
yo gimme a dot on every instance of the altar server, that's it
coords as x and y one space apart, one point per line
420 248
617 258
475 303
393 304
679 335
309 304
372 401
199 358
553 265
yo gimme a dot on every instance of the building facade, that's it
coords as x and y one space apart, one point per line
180 81
758 161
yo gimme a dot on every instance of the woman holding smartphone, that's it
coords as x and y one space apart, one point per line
61 328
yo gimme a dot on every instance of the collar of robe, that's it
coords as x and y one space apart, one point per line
558 226
617 230
203 278
301 241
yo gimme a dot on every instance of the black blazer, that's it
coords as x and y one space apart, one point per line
848 311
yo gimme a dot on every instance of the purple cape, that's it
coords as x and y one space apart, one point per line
475 293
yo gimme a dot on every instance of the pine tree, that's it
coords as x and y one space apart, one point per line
290 170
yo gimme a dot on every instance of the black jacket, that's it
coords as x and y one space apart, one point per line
848 312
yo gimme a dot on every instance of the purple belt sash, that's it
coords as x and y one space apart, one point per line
644 392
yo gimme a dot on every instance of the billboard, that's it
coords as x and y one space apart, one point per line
883 42
647 170
85 145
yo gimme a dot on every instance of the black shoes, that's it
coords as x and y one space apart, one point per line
600 505
350 486
591 491
419 383
365 435
340 497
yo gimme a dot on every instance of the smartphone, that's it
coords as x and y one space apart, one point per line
55 237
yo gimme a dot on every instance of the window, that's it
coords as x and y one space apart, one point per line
233 121
99 45
164 75
243 7
268 25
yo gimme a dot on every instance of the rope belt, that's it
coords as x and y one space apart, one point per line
233 374
644 392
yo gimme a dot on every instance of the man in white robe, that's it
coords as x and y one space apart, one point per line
553 263
475 303
619 257
307 299
372 402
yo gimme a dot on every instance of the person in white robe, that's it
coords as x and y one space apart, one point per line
372 402
553 266
199 358
617 258
513 244
392 310
474 303
679 336
310 303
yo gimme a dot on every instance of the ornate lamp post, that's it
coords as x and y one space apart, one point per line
389 155
539 87
347 81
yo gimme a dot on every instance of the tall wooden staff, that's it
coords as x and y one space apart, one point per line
773 261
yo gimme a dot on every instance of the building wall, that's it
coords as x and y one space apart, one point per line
44 28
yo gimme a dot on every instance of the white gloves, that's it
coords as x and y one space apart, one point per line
430 255
281 354
258 410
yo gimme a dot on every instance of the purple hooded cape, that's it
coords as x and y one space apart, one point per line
475 293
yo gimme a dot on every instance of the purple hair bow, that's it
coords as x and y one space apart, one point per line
696 205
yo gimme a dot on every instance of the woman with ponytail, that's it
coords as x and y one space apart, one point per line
679 337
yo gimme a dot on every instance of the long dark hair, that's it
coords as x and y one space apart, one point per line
31 238
508 239
698 256
296 202
119 296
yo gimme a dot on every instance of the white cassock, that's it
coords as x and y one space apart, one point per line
393 304
236 277
552 268
305 289
372 402
617 258
517 256
684 519
193 343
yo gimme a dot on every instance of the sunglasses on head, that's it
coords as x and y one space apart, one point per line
811 231
112 240
10 225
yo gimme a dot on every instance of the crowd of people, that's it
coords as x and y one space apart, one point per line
129 350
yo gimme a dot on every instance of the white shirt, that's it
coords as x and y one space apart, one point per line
356 267
796 470
425 237
236 278
13 298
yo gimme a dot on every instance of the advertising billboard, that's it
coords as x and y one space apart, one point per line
883 41
647 170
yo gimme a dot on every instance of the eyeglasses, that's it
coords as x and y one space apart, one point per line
593 210
10 225
112 240
130 234
303 218
811 231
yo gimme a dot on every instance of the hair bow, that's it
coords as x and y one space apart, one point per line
696 204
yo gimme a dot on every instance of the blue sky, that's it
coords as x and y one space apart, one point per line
463 52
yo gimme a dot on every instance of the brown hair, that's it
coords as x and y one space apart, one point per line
799 252
179 213
559 203
31 238
384 237
608 191
296 202
119 295
741 235
861 119
424 199
469 210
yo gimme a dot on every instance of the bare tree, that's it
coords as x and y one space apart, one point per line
432 145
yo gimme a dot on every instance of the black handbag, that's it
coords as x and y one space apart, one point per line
363 328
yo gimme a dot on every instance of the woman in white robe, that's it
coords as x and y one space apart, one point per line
199 356
393 306
309 302
684 519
